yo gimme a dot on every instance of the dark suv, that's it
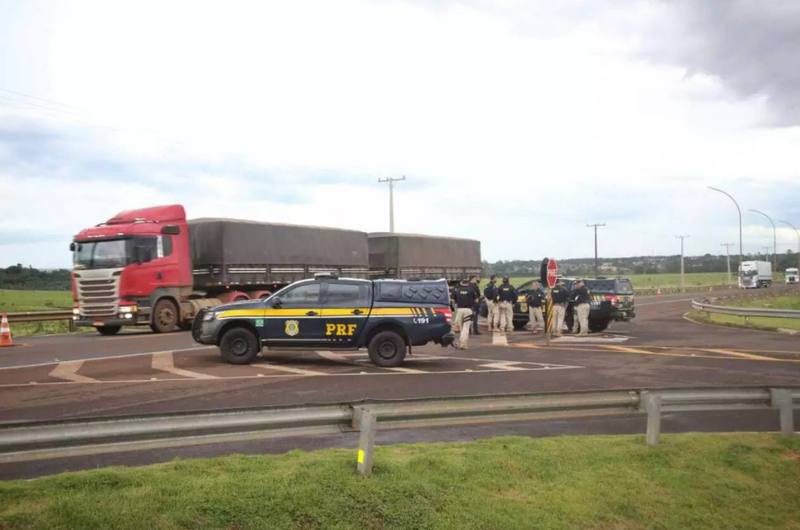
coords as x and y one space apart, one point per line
612 299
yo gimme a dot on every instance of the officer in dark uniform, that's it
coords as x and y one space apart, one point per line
560 296
474 281
536 300
507 295
581 303
490 295
464 299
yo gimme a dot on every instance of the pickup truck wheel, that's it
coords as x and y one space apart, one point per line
165 316
239 346
108 330
387 348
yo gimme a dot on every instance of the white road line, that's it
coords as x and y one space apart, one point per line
504 365
68 370
165 362
104 358
287 369
403 370
334 357
499 339
590 340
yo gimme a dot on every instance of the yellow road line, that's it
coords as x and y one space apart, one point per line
742 355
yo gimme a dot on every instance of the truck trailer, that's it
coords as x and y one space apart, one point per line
154 267
423 257
755 274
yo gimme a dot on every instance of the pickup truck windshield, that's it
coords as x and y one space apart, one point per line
112 253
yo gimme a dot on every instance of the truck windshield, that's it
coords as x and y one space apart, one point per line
101 254
111 253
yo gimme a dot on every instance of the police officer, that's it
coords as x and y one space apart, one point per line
581 303
475 282
535 299
507 295
464 297
560 296
490 295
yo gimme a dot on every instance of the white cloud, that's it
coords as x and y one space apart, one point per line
517 123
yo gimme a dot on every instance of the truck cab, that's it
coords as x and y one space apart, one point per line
792 275
387 317
132 269
755 274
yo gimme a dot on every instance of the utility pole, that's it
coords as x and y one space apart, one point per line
595 226
728 256
774 238
391 181
683 283
796 231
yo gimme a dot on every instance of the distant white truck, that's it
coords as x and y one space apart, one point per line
755 274
792 275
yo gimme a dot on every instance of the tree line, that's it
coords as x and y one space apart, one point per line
27 278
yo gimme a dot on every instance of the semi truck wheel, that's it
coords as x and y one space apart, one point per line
108 330
387 348
165 316
239 346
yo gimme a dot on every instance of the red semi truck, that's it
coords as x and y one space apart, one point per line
154 267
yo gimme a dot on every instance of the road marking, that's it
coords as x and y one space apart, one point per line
588 339
334 357
504 365
403 370
103 358
739 354
499 339
165 362
287 369
628 349
68 370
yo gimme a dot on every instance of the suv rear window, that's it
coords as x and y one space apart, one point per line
411 291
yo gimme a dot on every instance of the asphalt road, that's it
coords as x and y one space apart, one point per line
140 372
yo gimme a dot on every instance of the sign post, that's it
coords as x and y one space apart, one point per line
552 277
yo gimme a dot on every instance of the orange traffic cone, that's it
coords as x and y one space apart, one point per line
5 332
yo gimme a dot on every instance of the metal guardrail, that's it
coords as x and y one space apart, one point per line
28 441
40 316
745 311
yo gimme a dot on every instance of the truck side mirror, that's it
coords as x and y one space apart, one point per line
72 247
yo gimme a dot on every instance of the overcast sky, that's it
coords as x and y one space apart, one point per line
515 123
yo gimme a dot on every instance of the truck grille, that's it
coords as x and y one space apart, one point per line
98 297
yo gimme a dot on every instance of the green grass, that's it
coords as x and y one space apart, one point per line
16 301
745 481
765 323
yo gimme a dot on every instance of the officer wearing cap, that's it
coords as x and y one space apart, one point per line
475 283
581 302
464 296
560 296
535 300
490 294
507 295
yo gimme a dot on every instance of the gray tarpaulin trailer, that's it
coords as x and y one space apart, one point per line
234 252
393 255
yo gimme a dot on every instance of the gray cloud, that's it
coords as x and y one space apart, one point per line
753 46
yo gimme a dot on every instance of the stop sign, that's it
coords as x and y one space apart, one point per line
552 273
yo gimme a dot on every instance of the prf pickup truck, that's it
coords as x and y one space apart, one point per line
387 317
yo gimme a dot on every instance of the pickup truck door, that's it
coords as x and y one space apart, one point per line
294 318
345 310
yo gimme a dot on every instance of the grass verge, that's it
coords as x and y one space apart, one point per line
690 481
791 301
12 301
